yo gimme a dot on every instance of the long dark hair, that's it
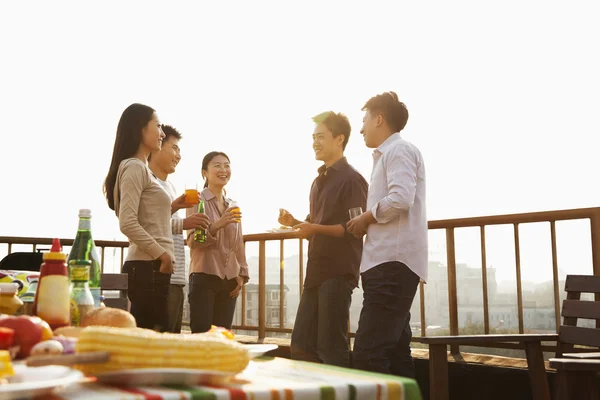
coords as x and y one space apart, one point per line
208 158
129 136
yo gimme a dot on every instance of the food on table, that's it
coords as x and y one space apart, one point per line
107 316
7 338
68 331
68 343
22 278
47 347
142 348
6 368
10 303
225 332
52 297
28 331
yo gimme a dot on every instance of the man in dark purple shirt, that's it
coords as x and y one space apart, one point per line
321 328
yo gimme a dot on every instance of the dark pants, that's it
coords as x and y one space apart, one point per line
382 342
148 291
175 308
210 303
321 329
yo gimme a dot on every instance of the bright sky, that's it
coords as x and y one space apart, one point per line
503 99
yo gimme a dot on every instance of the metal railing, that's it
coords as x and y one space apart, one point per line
35 242
449 226
262 239
550 217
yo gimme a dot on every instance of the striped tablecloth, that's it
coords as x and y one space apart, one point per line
268 379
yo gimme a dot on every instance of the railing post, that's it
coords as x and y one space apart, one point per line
262 290
484 282
452 296
555 276
518 274
243 319
595 233
301 264
102 260
281 285
422 298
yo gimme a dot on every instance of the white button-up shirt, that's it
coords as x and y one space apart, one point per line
397 200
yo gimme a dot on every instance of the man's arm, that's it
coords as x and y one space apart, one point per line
329 230
356 196
287 219
401 172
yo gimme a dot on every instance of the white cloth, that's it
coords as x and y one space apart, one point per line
397 200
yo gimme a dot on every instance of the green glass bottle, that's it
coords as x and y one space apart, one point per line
200 234
84 249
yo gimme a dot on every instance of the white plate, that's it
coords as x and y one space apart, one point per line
163 376
257 350
35 381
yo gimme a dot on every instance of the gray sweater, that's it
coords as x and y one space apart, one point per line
144 210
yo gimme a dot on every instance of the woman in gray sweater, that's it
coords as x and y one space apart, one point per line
144 211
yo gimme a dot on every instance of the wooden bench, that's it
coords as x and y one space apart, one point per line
576 372
115 282
568 336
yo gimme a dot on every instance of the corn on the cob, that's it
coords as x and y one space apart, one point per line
142 348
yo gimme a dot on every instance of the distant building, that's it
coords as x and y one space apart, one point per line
538 301
273 310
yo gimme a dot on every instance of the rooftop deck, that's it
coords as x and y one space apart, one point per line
264 318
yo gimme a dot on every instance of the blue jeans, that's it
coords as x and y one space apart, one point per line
210 303
148 291
382 342
321 329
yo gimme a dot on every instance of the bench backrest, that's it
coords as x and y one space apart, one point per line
574 309
115 282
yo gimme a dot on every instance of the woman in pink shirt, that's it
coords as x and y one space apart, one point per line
218 267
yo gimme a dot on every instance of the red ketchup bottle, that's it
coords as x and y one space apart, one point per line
52 298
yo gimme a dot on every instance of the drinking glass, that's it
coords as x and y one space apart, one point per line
191 194
235 208
355 212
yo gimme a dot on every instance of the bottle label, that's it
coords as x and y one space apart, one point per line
54 303
80 274
200 236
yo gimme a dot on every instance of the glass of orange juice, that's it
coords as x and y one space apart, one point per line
235 208
191 194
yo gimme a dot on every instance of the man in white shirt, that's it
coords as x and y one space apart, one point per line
162 163
394 256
